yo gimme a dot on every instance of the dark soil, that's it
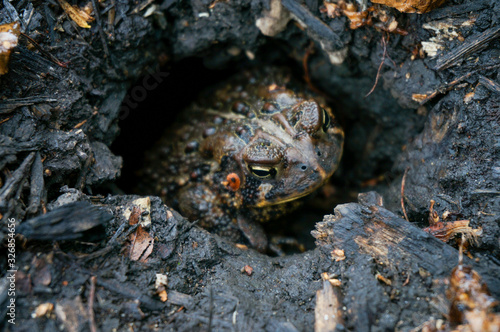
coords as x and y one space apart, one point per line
80 113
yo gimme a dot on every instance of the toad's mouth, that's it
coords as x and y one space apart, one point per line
265 188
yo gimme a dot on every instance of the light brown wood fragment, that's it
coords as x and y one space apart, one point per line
327 313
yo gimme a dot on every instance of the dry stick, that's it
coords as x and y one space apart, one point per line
403 181
93 327
379 67
44 52
6 119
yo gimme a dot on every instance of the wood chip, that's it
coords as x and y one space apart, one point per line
328 312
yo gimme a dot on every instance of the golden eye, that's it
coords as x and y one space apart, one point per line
326 121
263 172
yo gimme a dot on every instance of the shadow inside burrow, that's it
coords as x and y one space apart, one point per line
154 101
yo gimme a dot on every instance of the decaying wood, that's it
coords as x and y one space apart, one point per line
385 269
317 29
448 86
472 44
489 84
389 239
452 11
328 310
386 256
10 105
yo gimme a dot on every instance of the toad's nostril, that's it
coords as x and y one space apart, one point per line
303 167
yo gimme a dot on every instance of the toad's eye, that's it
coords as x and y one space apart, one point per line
326 121
263 172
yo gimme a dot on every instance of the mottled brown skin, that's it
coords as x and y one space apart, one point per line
279 141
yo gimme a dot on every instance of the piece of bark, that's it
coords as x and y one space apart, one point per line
368 228
371 229
71 221
388 261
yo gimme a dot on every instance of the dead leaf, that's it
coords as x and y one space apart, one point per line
9 34
42 275
79 16
412 6
327 311
445 230
335 282
23 283
142 245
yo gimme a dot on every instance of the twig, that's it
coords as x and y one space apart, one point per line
384 44
93 327
44 52
403 181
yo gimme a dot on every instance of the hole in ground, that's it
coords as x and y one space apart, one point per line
153 110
